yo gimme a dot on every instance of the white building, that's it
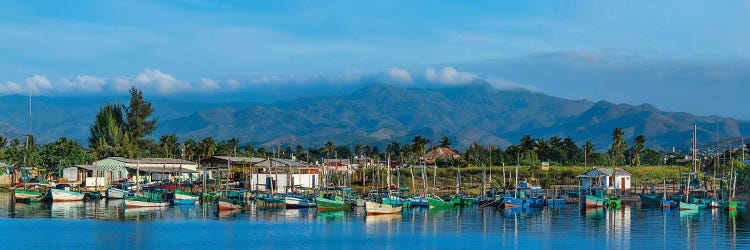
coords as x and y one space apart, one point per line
149 169
606 178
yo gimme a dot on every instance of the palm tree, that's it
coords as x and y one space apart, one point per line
189 148
357 149
637 149
445 142
526 143
617 151
328 148
419 144
208 147
588 152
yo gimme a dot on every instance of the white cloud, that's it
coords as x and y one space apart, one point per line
449 76
233 84
399 75
10 88
120 84
505 84
83 83
206 83
37 84
164 83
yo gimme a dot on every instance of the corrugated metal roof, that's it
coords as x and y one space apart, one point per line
153 160
607 172
240 159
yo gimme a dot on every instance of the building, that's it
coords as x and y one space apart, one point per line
261 174
149 169
606 178
444 154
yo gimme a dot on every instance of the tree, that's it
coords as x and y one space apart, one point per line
637 149
419 143
168 146
62 153
588 151
207 147
526 143
328 148
137 123
617 151
445 142
358 149
189 149
107 135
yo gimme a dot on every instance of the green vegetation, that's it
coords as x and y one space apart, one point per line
120 130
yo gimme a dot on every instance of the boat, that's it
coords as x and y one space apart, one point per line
650 199
298 202
62 192
419 201
374 208
28 193
524 196
116 193
230 199
688 206
463 200
184 198
270 200
436 202
335 198
144 201
330 203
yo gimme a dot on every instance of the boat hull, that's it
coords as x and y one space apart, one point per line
688 206
226 204
132 203
373 208
24 195
114 193
294 202
593 201
436 203
650 199
184 196
64 195
328 204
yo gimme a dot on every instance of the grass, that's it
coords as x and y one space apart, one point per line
471 177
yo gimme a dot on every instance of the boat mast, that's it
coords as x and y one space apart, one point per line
518 162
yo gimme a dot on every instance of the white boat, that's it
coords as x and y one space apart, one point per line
180 195
295 202
372 208
361 202
135 202
55 194
116 193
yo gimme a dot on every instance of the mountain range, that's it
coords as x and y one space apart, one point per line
378 114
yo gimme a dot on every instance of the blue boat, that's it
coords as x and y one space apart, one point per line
523 197
420 201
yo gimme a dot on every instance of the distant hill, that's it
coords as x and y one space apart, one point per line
378 114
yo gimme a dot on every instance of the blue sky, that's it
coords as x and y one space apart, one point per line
174 47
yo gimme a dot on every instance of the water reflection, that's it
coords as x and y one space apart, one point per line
631 227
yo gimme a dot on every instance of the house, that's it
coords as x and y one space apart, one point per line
445 154
262 174
218 166
278 175
88 175
149 169
5 174
607 178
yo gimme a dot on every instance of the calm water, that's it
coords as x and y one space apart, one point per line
102 225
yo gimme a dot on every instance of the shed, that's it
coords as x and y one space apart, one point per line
606 178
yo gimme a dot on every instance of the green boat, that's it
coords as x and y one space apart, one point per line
270 200
688 206
613 202
26 196
435 202
330 203
651 199
462 200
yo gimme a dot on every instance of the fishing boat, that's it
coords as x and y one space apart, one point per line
116 193
419 201
230 199
62 192
30 192
144 201
650 199
463 200
298 202
330 202
524 196
374 208
184 198
270 200
436 202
